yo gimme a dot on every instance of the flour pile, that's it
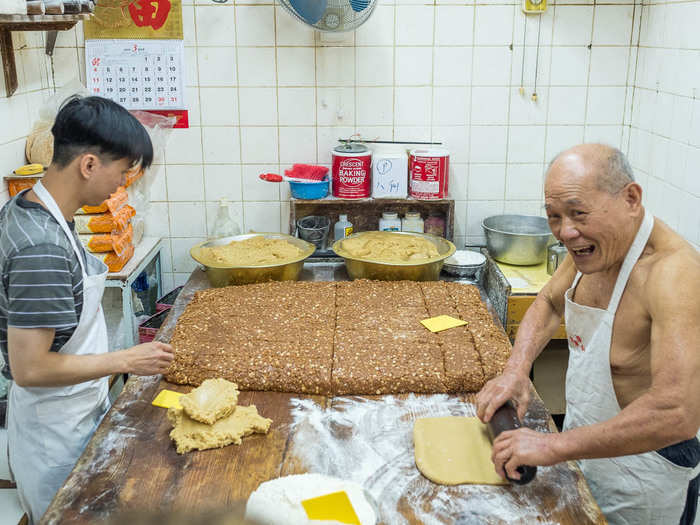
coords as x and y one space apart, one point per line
279 500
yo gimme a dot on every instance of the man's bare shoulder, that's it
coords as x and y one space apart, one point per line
673 268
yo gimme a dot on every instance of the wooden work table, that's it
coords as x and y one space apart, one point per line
131 463
525 283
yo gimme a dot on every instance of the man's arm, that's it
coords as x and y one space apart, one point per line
540 323
33 364
667 413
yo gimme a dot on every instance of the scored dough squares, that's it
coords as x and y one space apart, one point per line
463 367
343 338
364 369
393 294
284 366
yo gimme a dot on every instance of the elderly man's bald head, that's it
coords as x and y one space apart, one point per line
608 165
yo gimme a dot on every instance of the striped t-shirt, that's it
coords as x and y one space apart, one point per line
42 280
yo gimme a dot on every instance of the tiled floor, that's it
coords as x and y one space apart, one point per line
10 511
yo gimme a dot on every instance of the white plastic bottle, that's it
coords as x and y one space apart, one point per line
342 228
390 222
224 225
412 222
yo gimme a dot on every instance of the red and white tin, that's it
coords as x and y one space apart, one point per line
352 171
428 173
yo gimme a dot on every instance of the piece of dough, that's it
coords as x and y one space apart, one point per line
388 247
212 400
189 434
255 251
454 450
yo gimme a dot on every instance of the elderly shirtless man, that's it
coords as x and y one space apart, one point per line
630 293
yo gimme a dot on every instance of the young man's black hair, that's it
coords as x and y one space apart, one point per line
100 126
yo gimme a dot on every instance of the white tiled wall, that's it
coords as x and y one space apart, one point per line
664 145
34 76
264 91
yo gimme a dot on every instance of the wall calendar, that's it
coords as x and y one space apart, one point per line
138 74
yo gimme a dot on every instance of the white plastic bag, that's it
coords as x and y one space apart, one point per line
159 128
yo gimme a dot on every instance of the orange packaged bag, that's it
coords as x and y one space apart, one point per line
111 205
104 222
116 262
17 183
108 242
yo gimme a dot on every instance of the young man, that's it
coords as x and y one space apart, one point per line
630 294
52 329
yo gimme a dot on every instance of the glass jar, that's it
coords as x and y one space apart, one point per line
412 222
390 222
435 225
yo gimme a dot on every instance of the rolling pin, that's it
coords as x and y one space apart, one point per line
506 418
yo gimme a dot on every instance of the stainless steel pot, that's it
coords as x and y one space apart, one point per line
517 239
556 253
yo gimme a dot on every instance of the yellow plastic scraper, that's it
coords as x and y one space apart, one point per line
442 322
331 507
167 399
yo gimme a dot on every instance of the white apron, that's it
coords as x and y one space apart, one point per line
631 490
48 427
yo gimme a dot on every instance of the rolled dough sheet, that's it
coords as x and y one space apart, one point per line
454 450
189 434
212 400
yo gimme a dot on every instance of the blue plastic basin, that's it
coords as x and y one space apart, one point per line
309 190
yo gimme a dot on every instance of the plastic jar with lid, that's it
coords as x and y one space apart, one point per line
412 222
390 222
435 225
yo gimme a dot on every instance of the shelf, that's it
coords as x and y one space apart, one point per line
364 214
9 23
40 22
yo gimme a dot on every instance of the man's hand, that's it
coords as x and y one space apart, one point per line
523 446
509 385
148 359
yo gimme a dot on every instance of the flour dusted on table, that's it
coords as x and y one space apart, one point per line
279 500
370 442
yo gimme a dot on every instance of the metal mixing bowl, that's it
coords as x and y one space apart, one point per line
517 239
428 270
471 271
227 275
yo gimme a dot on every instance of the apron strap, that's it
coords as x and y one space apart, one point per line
633 254
55 211
576 280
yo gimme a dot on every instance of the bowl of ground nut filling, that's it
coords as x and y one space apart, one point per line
394 256
252 258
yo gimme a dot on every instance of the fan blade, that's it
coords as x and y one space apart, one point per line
359 5
310 10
